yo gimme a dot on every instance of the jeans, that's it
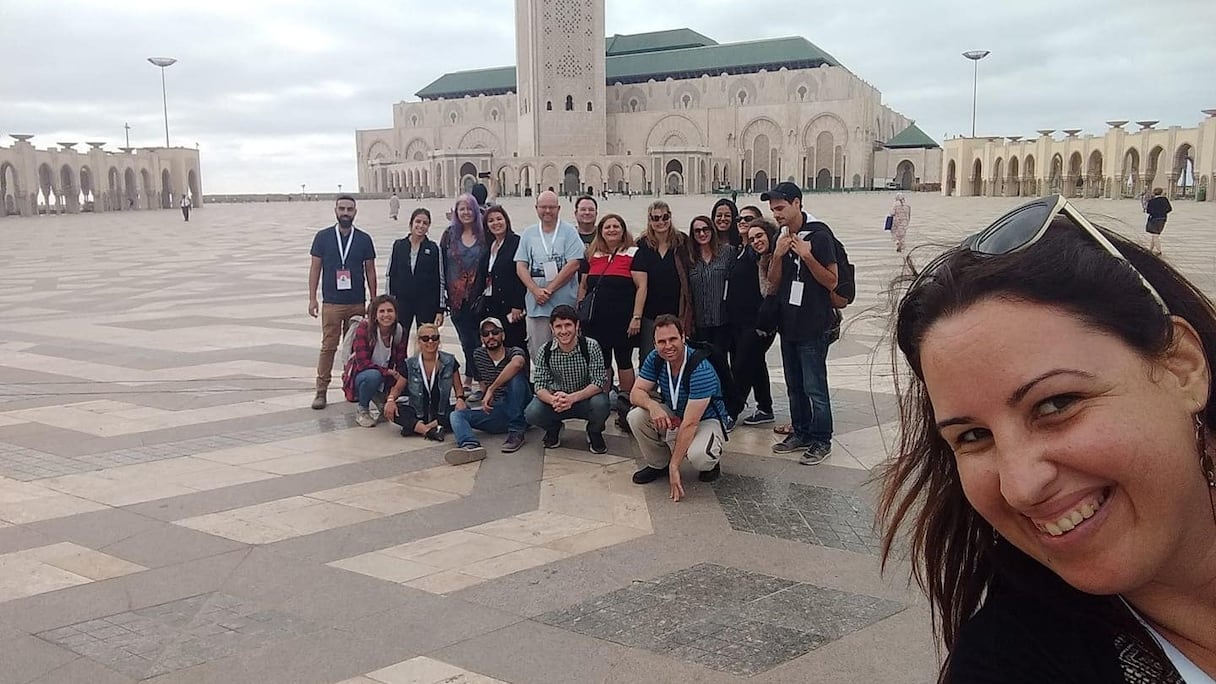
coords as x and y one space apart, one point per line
506 416
594 410
466 324
367 384
806 381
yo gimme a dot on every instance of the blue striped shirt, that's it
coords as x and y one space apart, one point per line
702 384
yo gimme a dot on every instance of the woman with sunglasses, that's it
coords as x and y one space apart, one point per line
1055 465
464 246
711 259
663 255
503 292
420 399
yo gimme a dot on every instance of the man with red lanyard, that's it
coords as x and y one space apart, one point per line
344 266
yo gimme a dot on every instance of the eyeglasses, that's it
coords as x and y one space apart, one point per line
660 217
1023 227
744 218
490 332
702 229
428 338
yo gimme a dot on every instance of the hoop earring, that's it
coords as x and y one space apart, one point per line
1205 458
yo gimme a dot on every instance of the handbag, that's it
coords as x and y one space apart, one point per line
586 307
888 223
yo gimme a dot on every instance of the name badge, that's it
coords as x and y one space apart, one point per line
796 293
343 279
725 290
670 437
550 268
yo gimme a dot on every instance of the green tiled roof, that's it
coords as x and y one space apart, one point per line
733 58
912 136
655 41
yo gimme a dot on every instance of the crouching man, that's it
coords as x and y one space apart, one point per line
686 421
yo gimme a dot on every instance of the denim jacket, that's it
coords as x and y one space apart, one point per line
415 389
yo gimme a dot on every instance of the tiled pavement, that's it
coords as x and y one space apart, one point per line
171 510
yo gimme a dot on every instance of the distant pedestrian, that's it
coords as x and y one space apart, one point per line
394 206
901 216
1157 209
186 207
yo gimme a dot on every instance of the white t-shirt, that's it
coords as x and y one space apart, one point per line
382 352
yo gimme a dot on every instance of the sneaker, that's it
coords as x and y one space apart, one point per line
553 438
711 474
475 396
320 400
760 418
364 418
377 407
515 440
595 442
436 434
647 475
816 454
465 454
729 425
791 444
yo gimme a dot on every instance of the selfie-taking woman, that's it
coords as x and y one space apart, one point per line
1055 470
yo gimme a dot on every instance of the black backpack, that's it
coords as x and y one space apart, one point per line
846 286
582 348
726 381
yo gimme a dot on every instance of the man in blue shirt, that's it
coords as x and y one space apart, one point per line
344 266
547 261
686 421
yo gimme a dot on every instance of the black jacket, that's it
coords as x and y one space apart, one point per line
743 292
508 290
420 290
1158 207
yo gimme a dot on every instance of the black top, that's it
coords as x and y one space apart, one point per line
1158 207
810 320
1034 627
663 284
416 290
743 293
509 291
359 248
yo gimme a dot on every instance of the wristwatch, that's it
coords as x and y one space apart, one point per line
460 397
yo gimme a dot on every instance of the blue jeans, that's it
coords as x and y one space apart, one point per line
594 410
367 384
506 416
806 383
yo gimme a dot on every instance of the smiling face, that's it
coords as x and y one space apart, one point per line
565 331
758 239
659 221
496 223
670 342
386 315
420 225
1074 447
722 218
613 232
464 213
585 212
702 232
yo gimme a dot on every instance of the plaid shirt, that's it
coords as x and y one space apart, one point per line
569 372
361 354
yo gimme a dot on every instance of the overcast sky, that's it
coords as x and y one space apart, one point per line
272 91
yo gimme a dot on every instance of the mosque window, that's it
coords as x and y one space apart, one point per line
633 105
802 92
548 105
452 117
742 97
687 100
569 103
414 120
494 115
589 105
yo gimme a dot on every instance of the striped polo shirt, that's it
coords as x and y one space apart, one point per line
702 384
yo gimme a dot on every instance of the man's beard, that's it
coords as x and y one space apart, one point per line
493 344
346 221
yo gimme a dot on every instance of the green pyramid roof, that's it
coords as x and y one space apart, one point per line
655 41
911 137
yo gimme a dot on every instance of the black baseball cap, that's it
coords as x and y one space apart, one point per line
783 191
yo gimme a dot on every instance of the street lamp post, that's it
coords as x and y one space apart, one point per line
163 62
303 195
975 56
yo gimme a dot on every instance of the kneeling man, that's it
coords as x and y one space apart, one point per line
686 421
507 394
571 382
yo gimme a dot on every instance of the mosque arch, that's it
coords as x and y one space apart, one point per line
527 180
1075 179
905 174
572 182
951 178
10 190
1183 176
1013 184
69 194
508 181
416 150
46 189
379 150
1153 163
825 122
1028 177
633 100
998 182
674 127
549 178
1131 172
616 178
131 190
166 189
823 179
1056 178
468 176
637 179
1093 175
825 158
760 182
742 91
977 178
478 138
595 178
87 198
673 176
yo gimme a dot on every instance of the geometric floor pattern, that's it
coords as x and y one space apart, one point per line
171 508
724 618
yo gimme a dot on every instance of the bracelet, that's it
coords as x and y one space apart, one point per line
459 397
637 318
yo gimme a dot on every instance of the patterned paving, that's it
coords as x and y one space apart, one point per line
723 618
170 507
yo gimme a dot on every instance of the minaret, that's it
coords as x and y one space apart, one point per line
559 46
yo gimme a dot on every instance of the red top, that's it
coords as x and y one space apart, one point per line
622 263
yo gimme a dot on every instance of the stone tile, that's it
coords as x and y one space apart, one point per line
537 528
79 560
385 567
454 550
599 538
444 582
424 670
514 561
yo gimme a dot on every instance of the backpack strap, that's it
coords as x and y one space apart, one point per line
699 356
582 348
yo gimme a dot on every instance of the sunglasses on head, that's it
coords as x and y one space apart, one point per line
660 217
1023 227
428 338
490 332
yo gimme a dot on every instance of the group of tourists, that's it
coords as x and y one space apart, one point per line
1058 502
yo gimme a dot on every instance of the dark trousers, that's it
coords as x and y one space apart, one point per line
186 213
466 324
750 368
594 410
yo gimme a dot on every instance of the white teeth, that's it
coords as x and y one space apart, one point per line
1069 521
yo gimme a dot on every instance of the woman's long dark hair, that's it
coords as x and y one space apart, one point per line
951 545
732 233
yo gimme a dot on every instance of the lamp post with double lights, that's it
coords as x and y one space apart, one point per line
163 62
975 56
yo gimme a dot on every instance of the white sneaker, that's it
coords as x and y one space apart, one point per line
364 418
464 454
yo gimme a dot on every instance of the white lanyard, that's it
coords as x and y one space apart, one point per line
428 383
548 247
342 253
675 389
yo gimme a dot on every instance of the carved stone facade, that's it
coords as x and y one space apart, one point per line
563 124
